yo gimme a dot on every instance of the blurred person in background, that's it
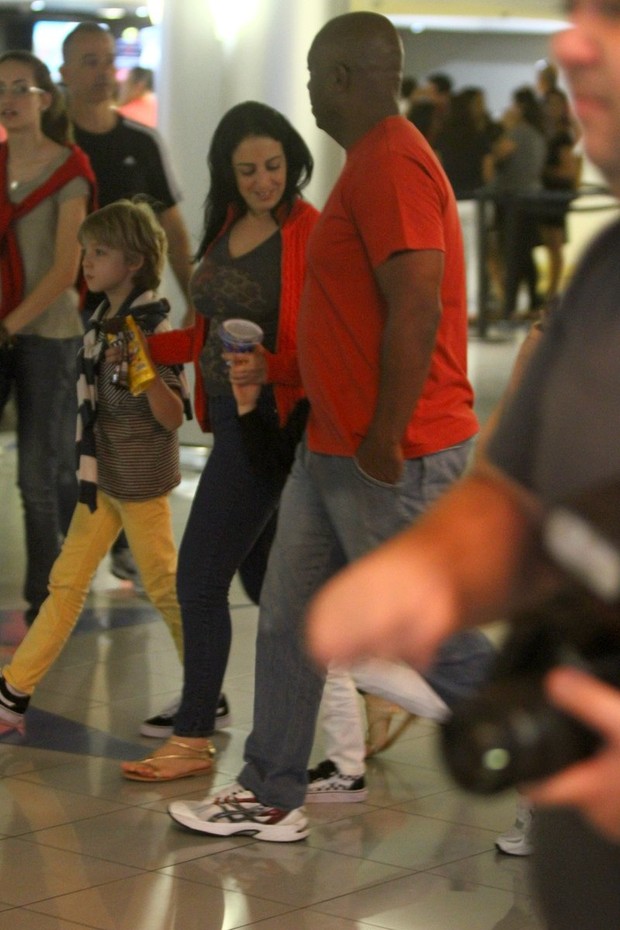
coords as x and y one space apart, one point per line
137 99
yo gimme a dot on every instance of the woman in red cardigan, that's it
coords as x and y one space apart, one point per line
251 266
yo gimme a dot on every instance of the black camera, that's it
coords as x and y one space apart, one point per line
508 733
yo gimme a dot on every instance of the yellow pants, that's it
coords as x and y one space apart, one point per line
148 527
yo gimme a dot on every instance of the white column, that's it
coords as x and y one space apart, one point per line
203 75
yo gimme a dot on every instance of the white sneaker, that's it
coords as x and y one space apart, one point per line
12 708
327 784
518 840
237 812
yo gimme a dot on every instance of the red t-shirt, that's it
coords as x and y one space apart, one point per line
392 196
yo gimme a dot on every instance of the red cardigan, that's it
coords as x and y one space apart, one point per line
11 266
185 345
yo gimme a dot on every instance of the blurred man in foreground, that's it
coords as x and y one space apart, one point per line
477 553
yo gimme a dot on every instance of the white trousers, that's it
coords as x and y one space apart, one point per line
342 713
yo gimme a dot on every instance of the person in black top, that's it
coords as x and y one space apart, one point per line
465 142
128 158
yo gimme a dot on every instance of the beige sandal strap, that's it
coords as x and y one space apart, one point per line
154 760
206 753
398 731
208 750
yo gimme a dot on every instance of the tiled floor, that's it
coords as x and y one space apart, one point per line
82 848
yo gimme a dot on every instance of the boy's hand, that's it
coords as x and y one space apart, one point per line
114 352
115 349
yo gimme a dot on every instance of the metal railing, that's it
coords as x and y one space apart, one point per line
589 198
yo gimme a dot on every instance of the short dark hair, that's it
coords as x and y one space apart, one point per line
530 108
442 82
243 121
86 28
138 74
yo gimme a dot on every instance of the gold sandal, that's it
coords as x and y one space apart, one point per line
386 723
191 753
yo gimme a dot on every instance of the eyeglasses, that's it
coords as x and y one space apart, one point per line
19 90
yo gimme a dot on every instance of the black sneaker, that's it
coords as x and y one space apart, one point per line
223 716
30 615
162 725
327 784
123 566
12 706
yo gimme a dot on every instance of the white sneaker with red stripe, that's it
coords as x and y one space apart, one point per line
237 812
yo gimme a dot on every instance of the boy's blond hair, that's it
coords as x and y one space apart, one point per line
132 227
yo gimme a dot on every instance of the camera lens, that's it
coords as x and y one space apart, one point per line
509 734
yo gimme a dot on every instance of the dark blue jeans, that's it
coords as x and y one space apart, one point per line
230 528
42 373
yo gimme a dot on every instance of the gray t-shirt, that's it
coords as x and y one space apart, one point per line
559 434
246 287
36 235
522 170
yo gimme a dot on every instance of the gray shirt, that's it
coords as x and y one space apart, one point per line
522 170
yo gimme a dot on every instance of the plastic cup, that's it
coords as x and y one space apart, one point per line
240 335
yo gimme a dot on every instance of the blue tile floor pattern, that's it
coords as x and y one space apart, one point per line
83 849
45 730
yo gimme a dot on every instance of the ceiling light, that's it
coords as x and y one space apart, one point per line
112 12
230 17
156 11
480 24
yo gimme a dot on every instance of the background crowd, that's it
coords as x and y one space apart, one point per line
527 164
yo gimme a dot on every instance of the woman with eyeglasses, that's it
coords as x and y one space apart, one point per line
46 186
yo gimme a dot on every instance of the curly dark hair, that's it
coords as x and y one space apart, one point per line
242 122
